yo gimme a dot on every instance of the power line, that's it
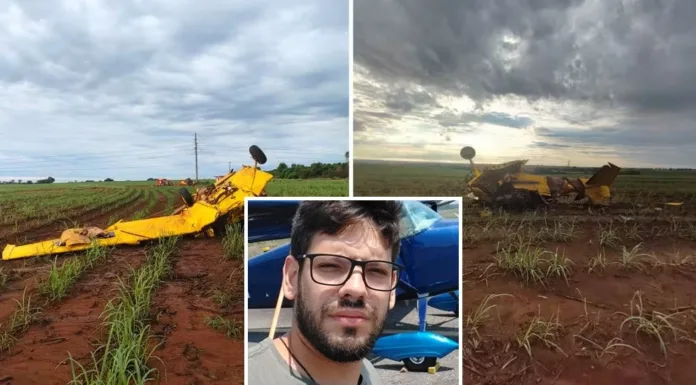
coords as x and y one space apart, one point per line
195 144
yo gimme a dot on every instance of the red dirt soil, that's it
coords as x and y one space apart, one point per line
193 352
70 326
606 292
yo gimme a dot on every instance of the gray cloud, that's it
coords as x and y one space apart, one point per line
89 88
613 73
634 53
449 119
550 145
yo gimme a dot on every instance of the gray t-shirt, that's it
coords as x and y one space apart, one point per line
267 366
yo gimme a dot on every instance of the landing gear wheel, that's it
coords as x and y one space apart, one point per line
186 196
257 154
419 364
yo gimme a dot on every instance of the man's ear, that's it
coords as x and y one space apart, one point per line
392 299
290 277
392 296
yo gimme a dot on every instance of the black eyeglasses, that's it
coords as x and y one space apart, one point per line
334 270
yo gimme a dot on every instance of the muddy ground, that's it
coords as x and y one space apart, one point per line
590 307
204 284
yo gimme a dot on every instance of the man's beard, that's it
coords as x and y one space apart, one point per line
347 347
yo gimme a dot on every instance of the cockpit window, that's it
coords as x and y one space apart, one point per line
416 217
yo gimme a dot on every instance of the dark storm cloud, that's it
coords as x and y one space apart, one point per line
84 76
617 73
404 100
640 54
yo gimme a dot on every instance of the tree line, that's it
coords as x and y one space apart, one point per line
314 170
50 179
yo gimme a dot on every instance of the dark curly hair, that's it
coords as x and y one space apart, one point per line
332 217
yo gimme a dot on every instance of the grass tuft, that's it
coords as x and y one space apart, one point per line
3 279
652 324
539 330
233 241
233 329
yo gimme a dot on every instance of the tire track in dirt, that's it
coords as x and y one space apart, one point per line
69 326
193 352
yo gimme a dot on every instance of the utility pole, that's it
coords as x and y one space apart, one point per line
195 145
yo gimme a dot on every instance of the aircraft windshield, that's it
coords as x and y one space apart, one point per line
416 217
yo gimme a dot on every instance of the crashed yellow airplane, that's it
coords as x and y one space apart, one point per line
508 184
206 212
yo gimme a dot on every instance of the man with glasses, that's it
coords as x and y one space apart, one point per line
341 275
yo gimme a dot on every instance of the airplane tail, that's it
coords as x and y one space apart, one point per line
605 176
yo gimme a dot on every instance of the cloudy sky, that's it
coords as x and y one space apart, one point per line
97 89
551 81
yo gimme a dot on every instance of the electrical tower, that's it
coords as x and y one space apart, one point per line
195 145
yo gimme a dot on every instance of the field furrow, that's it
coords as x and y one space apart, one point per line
196 306
205 293
23 269
70 326
74 217
581 302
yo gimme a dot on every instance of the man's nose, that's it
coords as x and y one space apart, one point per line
354 286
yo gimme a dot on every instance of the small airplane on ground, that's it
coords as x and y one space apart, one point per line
429 251
508 185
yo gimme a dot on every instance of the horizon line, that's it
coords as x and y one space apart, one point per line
467 165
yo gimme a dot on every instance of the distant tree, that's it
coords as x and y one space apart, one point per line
108 180
50 179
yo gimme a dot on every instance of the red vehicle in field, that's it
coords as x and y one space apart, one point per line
163 182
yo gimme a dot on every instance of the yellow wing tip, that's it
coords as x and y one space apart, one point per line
7 251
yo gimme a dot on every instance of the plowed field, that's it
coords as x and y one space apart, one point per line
578 297
181 303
